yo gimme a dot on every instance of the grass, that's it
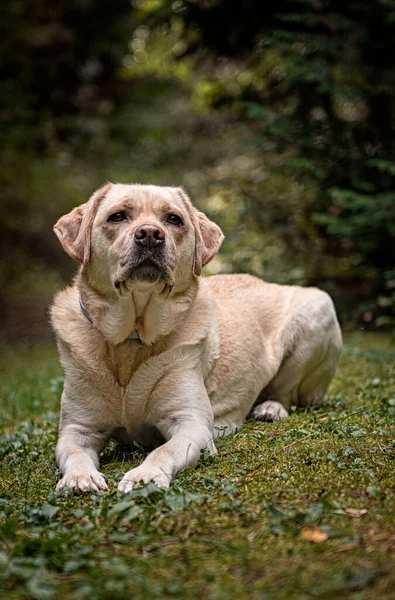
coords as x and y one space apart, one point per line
298 509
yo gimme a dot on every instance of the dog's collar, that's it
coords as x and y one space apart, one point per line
133 336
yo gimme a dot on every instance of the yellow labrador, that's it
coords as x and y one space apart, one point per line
152 351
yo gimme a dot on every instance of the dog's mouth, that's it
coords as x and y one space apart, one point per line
146 270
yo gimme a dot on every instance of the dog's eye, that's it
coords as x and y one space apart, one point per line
175 220
117 217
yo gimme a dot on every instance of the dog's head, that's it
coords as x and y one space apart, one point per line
128 235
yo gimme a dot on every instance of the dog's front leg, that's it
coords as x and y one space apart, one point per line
181 451
77 455
186 421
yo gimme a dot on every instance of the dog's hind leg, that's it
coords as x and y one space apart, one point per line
270 410
297 386
310 360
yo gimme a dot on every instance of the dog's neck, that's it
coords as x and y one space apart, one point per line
153 311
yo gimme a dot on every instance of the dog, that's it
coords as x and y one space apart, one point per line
155 353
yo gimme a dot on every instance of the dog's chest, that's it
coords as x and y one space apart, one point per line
137 402
122 361
132 409
130 377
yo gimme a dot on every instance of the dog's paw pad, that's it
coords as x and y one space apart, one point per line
83 482
269 411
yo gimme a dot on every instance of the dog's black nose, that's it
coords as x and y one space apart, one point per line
149 235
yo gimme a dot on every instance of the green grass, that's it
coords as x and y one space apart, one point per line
234 527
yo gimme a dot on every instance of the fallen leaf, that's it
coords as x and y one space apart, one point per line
356 512
314 534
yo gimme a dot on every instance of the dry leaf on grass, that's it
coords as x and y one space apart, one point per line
356 512
314 534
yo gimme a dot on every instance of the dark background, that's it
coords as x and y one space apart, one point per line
277 117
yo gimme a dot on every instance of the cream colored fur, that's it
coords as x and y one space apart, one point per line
210 346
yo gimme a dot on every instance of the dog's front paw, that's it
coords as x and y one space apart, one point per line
83 482
269 411
143 474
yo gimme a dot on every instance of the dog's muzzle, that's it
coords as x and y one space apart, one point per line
147 259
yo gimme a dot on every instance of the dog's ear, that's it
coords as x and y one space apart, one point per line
209 236
211 240
74 230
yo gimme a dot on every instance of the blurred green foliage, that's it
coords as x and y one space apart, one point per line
277 118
